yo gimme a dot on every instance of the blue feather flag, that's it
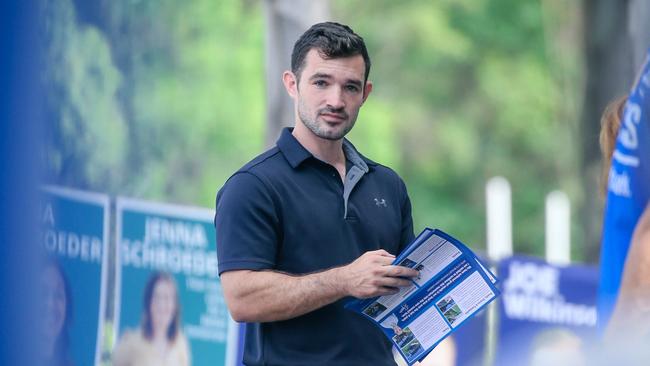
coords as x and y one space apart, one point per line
628 190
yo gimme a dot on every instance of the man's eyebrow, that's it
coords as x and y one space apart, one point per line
321 75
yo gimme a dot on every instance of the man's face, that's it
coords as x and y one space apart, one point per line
329 94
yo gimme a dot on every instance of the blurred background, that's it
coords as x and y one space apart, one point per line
163 100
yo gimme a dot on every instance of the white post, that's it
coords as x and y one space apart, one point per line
499 218
499 246
558 228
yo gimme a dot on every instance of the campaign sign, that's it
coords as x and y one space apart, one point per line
177 244
547 313
75 237
628 190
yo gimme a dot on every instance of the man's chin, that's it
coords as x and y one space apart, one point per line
332 136
328 131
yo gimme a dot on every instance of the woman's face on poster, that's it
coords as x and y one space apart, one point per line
163 305
54 303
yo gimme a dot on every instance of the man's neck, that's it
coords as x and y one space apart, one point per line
329 151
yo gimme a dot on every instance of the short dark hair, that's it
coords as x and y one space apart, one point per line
147 327
332 40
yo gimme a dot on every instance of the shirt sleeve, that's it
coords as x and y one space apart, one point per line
123 352
247 225
406 235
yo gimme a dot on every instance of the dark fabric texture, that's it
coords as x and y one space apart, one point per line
284 211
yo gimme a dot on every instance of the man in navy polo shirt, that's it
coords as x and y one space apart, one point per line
311 223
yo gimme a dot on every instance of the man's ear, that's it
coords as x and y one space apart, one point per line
290 83
366 90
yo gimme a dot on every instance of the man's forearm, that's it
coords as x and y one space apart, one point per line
263 296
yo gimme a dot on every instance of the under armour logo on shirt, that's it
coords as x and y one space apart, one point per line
380 202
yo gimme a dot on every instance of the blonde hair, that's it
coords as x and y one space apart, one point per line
610 122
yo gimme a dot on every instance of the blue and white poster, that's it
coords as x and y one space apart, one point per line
73 278
168 288
547 313
628 190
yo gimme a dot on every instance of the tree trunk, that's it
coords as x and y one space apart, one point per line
286 20
609 75
639 15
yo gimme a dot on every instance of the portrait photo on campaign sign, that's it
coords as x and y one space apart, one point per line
168 288
72 278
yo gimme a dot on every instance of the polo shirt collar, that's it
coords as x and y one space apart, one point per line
291 148
353 156
295 153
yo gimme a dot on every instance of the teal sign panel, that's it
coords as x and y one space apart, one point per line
73 279
155 239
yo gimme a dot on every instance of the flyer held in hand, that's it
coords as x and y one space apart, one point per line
453 285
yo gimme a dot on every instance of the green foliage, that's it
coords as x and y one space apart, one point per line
472 93
165 99
197 94
88 129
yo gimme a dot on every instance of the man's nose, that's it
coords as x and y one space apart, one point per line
335 98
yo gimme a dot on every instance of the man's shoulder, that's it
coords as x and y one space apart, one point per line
267 161
258 172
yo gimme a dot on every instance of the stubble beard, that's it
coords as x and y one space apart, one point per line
318 130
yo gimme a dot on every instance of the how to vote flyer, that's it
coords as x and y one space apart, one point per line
453 285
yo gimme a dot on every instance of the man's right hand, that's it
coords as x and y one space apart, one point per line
265 296
372 275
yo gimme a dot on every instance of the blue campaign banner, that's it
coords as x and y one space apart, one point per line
168 284
547 313
75 237
628 189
